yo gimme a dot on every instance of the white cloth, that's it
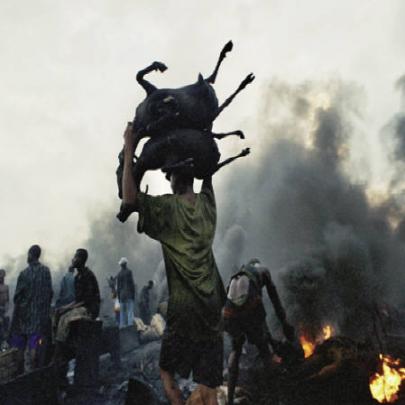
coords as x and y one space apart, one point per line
239 290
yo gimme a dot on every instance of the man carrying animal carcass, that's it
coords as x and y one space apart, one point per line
184 223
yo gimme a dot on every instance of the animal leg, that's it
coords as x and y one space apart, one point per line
224 135
248 79
227 48
244 152
148 87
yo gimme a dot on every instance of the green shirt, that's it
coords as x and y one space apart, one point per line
186 233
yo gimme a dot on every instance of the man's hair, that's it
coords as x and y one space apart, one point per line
82 253
35 251
2 273
151 283
123 260
184 174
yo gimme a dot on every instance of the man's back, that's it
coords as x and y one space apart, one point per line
87 291
125 285
186 232
33 297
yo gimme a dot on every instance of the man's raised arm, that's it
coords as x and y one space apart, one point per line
129 189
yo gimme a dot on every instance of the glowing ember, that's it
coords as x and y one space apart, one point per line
309 347
327 332
385 384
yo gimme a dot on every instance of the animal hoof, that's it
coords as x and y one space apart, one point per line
240 134
245 152
228 47
249 78
159 66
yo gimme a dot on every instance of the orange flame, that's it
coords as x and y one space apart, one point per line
309 347
385 385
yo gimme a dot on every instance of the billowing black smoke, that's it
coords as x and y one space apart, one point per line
332 253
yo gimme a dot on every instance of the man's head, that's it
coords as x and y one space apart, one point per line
80 258
34 253
150 284
254 262
181 180
2 275
123 262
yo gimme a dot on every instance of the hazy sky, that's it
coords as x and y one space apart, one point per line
68 87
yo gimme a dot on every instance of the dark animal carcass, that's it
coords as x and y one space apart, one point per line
194 106
179 148
179 125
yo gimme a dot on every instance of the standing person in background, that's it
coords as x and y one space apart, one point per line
125 293
86 304
145 304
67 288
4 304
32 304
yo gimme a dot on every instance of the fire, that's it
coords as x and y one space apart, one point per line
327 332
385 385
309 346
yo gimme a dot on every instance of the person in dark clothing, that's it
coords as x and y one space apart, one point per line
67 288
125 293
4 305
245 316
86 286
144 303
32 303
86 304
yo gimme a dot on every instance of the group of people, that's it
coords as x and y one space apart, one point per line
124 290
184 223
199 308
32 327
36 326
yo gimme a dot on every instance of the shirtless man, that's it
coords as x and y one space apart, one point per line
245 316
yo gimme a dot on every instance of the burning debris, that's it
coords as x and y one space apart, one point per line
309 345
385 384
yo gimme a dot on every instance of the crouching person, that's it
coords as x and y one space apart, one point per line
85 306
245 317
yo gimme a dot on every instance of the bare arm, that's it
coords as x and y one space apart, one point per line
273 295
129 189
288 330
